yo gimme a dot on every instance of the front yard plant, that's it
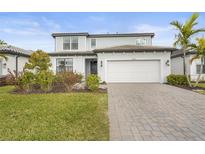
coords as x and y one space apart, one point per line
177 80
93 82
180 81
69 79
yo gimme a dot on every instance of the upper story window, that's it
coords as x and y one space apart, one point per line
70 43
141 41
66 43
74 43
93 43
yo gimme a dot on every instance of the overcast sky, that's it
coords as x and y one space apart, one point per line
33 30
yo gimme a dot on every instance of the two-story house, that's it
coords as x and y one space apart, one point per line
127 57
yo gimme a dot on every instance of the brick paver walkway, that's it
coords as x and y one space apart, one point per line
155 112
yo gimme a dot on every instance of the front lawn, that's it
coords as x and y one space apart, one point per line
201 85
61 116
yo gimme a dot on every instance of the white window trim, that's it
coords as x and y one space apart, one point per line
91 43
70 38
64 61
142 41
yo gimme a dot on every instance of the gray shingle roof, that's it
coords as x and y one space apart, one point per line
72 53
9 49
104 35
179 53
134 48
70 34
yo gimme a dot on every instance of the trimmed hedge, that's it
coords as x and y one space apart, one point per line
178 80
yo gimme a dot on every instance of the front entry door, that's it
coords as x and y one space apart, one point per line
93 67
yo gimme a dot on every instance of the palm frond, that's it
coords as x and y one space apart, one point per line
191 22
177 25
197 31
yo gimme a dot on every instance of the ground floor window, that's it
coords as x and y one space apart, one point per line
198 69
64 64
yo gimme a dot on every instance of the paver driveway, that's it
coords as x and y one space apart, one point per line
155 112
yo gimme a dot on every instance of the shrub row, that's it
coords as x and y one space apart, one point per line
37 76
44 81
178 80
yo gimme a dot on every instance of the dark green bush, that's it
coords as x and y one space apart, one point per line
45 79
93 82
178 80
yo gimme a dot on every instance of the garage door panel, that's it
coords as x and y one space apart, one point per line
133 71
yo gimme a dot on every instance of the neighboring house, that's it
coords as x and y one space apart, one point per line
17 58
178 67
129 57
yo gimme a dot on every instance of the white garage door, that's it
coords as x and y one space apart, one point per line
133 71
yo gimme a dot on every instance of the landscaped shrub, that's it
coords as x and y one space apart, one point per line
69 79
39 61
93 82
45 80
24 80
38 65
179 80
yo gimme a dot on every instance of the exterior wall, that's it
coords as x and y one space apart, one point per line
177 66
11 64
85 43
78 63
194 74
162 56
115 41
81 44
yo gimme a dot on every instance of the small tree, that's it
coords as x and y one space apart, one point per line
39 64
2 55
199 47
39 61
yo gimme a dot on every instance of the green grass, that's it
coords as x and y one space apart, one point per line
202 85
71 116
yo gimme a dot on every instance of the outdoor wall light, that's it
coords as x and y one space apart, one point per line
167 63
101 63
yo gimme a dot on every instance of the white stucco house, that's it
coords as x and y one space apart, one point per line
127 57
17 57
178 65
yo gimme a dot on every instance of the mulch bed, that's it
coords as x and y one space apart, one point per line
57 88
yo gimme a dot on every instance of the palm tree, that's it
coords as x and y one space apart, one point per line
199 47
183 38
2 55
